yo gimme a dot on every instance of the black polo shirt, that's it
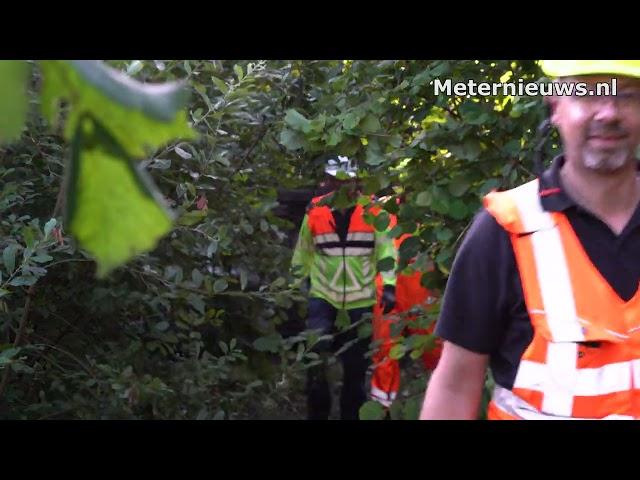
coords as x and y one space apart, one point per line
483 307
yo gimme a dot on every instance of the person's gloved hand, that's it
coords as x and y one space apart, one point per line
388 300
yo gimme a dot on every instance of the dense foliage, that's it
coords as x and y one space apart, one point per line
207 323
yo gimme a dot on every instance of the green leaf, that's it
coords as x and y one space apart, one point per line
397 351
4 292
386 264
411 409
196 277
396 231
458 210
342 319
134 67
370 124
371 410
14 104
220 285
212 248
141 117
512 147
270 343
196 302
374 157
182 153
222 86
335 137
415 354
392 207
423 199
255 384
48 227
395 141
365 331
409 248
9 257
488 186
444 260
24 280
42 258
297 121
444 234
113 209
318 123
192 217
382 221
162 326
8 354
243 278
247 228
291 140
351 121
440 205
27 253
473 113
29 234
458 186
238 71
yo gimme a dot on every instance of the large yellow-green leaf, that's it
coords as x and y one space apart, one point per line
113 209
14 75
141 117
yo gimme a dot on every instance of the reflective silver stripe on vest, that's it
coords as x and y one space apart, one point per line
348 252
583 382
364 294
361 236
551 265
515 406
558 299
332 251
337 296
382 397
326 237
357 251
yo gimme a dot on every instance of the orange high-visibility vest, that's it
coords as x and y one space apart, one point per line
360 239
584 359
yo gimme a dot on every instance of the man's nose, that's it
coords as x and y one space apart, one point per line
607 110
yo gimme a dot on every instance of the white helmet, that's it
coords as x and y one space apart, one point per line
343 165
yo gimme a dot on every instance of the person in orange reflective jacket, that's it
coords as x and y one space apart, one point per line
385 381
544 288
338 251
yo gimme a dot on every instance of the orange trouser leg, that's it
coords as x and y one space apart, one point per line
385 381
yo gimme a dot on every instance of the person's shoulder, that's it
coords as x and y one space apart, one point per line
486 245
315 201
485 232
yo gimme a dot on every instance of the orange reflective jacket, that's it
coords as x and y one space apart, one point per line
584 359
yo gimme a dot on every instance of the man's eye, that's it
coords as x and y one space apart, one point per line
629 95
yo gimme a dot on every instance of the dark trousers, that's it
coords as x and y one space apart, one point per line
322 317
